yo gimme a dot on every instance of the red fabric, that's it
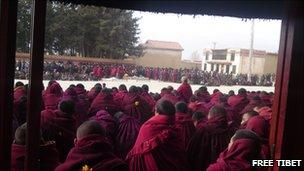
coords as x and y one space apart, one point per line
238 102
127 132
170 97
103 101
157 147
51 101
95 152
266 112
238 158
260 126
92 94
107 121
252 104
185 127
208 142
48 157
204 96
118 98
18 93
149 99
266 100
215 97
60 127
136 106
185 91
198 106
80 91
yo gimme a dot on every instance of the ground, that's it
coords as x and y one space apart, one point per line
155 86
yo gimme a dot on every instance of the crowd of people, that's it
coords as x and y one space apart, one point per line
115 128
82 71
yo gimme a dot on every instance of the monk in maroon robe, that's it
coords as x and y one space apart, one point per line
185 90
244 147
107 121
168 95
145 94
122 92
240 101
264 111
260 126
199 119
92 151
214 98
266 98
232 116
158 145
196 106
134 105
246 117
203 94
48 155
91 95
104 101
19 91
126 134
210 140
255 101
183 123
60 126
52 97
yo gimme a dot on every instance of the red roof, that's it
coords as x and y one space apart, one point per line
155 44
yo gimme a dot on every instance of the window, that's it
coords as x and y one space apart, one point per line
212 67
233 69
232 56
207 56
219 54
227 69
205 67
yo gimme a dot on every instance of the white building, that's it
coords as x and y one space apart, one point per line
236 61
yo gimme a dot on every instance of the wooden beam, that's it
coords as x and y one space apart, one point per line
8 22
35 85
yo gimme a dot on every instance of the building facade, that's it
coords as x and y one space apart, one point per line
161 54
236 61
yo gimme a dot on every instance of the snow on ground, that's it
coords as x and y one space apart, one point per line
155 86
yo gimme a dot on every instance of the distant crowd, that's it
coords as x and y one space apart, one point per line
120 128
84 71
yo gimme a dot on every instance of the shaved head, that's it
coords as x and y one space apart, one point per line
217 111
89 128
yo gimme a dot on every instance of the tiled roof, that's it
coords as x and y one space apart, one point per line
155 44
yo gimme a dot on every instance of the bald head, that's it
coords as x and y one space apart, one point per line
165 107
89 128
184 79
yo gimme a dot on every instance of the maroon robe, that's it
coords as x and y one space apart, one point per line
157 147
136 106
260 126
215 98
170 97
48 157
104 101
127 132
208 142
95 152
252 104
52 97
203 96
149 99
107 121
198 107
238 158
266 112
185 127
60 127
118 97
18 93
92 94
238 103
185 91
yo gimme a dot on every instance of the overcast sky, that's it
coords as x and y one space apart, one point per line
197 33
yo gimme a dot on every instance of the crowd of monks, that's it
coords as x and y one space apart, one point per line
96 71
132 129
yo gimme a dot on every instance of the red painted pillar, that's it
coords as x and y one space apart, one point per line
8 23
35 85
286 137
